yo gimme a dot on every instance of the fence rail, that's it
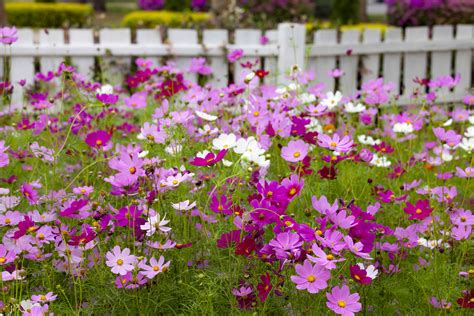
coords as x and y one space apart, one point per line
398 55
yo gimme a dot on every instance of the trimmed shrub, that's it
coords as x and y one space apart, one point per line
151 19
53 15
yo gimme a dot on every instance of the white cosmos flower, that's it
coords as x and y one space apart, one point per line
227 163
467 144
448 122
370 270
105 89
154 224
183 206
174 149
469 133
368 140
380 161
224 141
143 154
206 130
332 100
351 108
205 116
431 243
405 128
307 98
471 119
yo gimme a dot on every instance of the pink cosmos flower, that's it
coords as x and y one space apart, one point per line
336 73
235 55
311 278
6 256
154 268
120 261
198 65
152 133
335 143
286 245
8 35
44 298
450 137
29 193
295 151
97 139
4 159
326 260
465 173
356 248
342 302
136 100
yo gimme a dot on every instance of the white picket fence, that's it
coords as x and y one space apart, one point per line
398 55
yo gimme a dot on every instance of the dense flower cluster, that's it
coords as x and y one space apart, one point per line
430 12
275 192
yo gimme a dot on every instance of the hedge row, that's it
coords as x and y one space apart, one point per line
151 19
53 15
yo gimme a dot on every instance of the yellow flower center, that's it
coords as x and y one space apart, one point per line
319 232
357 277
132 170
7 221
175 182
292 191
156 268
296 154
311 278
329 257
256 113
119 262
333 144
43 298
98 142
418 211
341 303
41 236
3 259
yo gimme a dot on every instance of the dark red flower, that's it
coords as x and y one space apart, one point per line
264 287
467 301
359 275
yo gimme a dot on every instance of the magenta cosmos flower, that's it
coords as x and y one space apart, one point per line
311 278
342 302
235 55
335 143
97 139
420 210
295 151
120 261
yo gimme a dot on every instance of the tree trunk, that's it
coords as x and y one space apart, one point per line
99 5
363 16
3 13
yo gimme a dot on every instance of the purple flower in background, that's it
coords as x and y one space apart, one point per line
198 65
8 35
107 99
235 55
151 4
198 4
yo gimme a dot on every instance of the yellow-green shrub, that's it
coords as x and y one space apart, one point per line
151 19
53 15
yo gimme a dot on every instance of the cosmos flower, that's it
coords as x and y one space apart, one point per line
419 211
312 278
154 267
120 261
154 224
342 302
97 139
335 142
295 151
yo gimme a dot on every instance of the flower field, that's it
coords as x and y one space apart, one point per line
164 196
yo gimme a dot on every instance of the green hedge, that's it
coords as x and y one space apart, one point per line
151 19
53 15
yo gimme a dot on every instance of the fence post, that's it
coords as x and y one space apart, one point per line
291 48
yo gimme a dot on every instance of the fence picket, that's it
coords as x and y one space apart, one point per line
392 62
115 67
371 63
322 65
414 64
349 63
463 64
220 72
149 37
271 63
179 36
50 39
82 37
441 61
244 37
22 67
